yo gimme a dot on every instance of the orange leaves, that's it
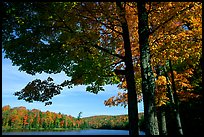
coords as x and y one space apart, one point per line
175 40
6 108
124 85
175 34
121 98
185 96
132 21
61 123
25 118
189 72
183 85
161 97
182 81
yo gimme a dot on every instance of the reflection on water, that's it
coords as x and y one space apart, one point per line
76 132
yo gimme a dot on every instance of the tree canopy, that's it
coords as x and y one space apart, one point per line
176 35
58 40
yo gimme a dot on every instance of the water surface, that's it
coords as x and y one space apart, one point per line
75 132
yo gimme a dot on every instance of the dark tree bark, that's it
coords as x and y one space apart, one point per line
129 75
161 113
179 129
174 101
148 82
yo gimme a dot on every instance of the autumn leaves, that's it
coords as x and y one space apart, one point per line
177 38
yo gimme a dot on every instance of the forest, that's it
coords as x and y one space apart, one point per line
151 50
20 118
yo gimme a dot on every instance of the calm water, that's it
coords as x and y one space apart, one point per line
79 132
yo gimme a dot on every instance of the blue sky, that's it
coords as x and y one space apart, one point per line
70 101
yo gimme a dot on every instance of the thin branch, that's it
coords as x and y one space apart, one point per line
107 51
104 49
116 63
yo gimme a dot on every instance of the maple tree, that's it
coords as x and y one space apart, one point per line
66 55
175 34
174 42
74 48
160 40
177 42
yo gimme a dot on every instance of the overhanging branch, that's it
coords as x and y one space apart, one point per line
107 51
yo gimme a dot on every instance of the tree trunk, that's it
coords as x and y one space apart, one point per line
161 113
148 85
176 105
129 75
174 101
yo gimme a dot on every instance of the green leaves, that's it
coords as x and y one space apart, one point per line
38 90
52 37
94 88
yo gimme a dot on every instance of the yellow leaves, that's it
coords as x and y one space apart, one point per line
161 97
19 20
170 41
162 101
174 58
161 80
186 55
182 82
161 90
155 74
170 4
124 85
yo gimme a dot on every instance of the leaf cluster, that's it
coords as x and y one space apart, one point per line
38 90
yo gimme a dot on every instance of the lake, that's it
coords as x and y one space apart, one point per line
74 132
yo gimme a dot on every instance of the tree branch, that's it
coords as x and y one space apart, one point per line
107 51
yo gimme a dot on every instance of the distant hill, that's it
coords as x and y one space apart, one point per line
109 121
100 116
22 118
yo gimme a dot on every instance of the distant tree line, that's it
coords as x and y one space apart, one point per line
20 118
